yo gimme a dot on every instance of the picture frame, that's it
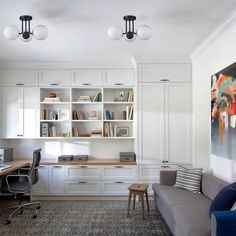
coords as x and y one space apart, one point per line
122 131
63 114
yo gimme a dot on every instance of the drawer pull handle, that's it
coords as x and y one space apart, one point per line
118 84
165 80
86 84
165 166
56 166
42 166
119 182
20 84
119 166
54 84
83 167
82 182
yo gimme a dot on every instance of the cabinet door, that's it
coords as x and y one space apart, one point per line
1 109
13 112
115 188
118 77
178 72
31 112
55 77
178 128
151 122
87 78
82 187
20 77
41 188
56 180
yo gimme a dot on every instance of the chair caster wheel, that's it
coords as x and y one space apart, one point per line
38 208
34 216
7 222
21 212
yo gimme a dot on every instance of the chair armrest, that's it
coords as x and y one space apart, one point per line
168 177
11 181
223 223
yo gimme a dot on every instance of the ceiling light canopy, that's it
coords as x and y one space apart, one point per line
40 32
115 32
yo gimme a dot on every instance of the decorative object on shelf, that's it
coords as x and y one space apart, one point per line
116 100
52 115
122 97
93 116
130 34
52 95
40 32
122 131
63 114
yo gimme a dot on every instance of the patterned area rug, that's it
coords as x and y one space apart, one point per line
85 218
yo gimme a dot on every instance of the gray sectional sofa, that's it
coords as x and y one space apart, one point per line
187 213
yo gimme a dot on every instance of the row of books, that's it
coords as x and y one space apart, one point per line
126 115
130 96
94 133
48 130
82 115
109 130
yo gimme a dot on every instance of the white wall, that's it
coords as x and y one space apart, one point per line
218 53
51 149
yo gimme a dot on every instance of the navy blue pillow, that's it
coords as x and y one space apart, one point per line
225 199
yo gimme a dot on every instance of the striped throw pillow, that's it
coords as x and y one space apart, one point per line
233 208
189 179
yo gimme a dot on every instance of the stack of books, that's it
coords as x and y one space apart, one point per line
93 116
84 98
47 99
96 133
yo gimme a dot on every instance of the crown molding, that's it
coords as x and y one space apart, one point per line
221 29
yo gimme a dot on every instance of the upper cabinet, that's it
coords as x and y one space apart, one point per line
20 78
55 77
87 77
172 72
119 78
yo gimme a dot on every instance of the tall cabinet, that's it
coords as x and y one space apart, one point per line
165 118
20 103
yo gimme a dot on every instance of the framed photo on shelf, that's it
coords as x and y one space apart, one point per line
122 131
63 114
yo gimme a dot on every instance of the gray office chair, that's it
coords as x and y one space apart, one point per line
21 183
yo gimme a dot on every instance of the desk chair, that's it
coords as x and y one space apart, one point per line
21 183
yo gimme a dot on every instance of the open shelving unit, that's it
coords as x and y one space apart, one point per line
87 113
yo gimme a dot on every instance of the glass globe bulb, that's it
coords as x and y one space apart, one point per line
144 32
26 40
115 32
132 39
11 32
40 32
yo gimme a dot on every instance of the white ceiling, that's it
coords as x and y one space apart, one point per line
78 28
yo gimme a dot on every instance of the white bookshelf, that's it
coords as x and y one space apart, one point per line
88 113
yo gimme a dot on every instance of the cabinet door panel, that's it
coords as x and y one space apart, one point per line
13 112
20 77
118 77
31 112
151 122
178 72
56 180
55 78
178 127
41 188
88 77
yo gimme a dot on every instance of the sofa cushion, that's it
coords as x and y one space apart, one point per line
171 196
225 199
188 179
192 219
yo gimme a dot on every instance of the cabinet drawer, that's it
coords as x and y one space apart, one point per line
159 72
152 172
115 188
119 172
87 78
118 77
82 187
20 78
55 77
86 172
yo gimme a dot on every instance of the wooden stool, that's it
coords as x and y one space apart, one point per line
138 190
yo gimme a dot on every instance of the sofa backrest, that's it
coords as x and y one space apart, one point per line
212 185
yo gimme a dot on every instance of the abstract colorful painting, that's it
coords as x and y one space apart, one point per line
223 116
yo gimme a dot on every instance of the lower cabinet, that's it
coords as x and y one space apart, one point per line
74 187
42 186
115 187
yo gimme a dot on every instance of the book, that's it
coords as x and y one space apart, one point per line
51 99
84 98
98 97
54 131
131 113
93 118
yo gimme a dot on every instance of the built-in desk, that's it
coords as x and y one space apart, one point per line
15 165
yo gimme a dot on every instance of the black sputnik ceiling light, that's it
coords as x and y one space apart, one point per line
130 34
12 32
